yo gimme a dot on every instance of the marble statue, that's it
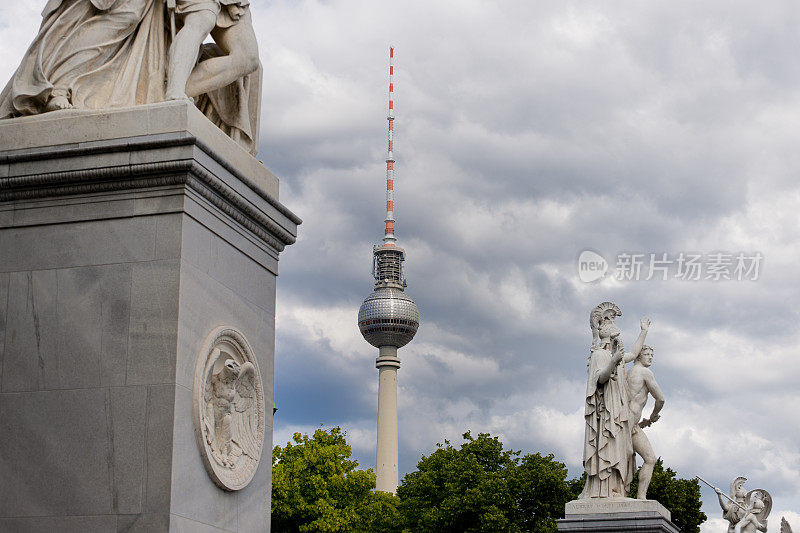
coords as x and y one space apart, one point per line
99 54
229 23
608 452
89 54
642 382
226 83
785 527
229 408
747 511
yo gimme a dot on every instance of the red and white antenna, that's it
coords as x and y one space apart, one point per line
388 236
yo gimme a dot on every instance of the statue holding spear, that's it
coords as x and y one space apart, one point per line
747 509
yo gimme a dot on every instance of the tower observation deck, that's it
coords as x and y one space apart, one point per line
388 319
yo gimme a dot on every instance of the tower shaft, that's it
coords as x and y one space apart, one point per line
386 470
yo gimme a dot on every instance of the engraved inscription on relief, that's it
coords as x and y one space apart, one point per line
229 408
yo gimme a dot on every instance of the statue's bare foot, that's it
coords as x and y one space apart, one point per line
57 103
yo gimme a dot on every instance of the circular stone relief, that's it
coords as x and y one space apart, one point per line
228 408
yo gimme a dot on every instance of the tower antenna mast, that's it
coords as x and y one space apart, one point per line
388 235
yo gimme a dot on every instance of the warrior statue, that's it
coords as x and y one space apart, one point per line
608 455
747 511
733 508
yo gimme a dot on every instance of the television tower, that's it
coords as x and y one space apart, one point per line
388 319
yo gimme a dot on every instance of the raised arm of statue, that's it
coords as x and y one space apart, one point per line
644 324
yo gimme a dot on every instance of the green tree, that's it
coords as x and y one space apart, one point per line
317 487
481 487
680 496
540 490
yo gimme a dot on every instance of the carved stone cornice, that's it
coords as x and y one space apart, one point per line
187 171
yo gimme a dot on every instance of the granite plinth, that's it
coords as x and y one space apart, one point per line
73 128
126 236
607 515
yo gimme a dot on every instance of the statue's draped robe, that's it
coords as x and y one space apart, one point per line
113 53
608 455
235 107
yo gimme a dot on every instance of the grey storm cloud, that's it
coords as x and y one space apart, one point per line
526 133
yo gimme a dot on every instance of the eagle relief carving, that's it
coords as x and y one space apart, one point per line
229 408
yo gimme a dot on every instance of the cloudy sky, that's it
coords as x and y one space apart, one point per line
526 133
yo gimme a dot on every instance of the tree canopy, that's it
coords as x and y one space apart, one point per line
317 487
477 487
481 487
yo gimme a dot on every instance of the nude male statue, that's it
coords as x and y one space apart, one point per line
230 24
642 382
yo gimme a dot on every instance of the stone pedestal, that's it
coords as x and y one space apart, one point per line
611 515
126 238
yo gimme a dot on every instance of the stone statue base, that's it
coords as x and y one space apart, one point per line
608 515
126 237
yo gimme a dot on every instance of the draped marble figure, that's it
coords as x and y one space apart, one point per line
608 455
97 54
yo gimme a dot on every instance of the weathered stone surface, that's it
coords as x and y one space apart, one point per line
208 303
110 280
181 524
607 515
30 357
191 481
4 282
153 322
62 245
142 523
101 127
613 523
126 419
593 506
61 524
62 447
159 448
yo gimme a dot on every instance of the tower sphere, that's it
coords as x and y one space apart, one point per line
388 317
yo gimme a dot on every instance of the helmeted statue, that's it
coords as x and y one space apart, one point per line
733 505
608 455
